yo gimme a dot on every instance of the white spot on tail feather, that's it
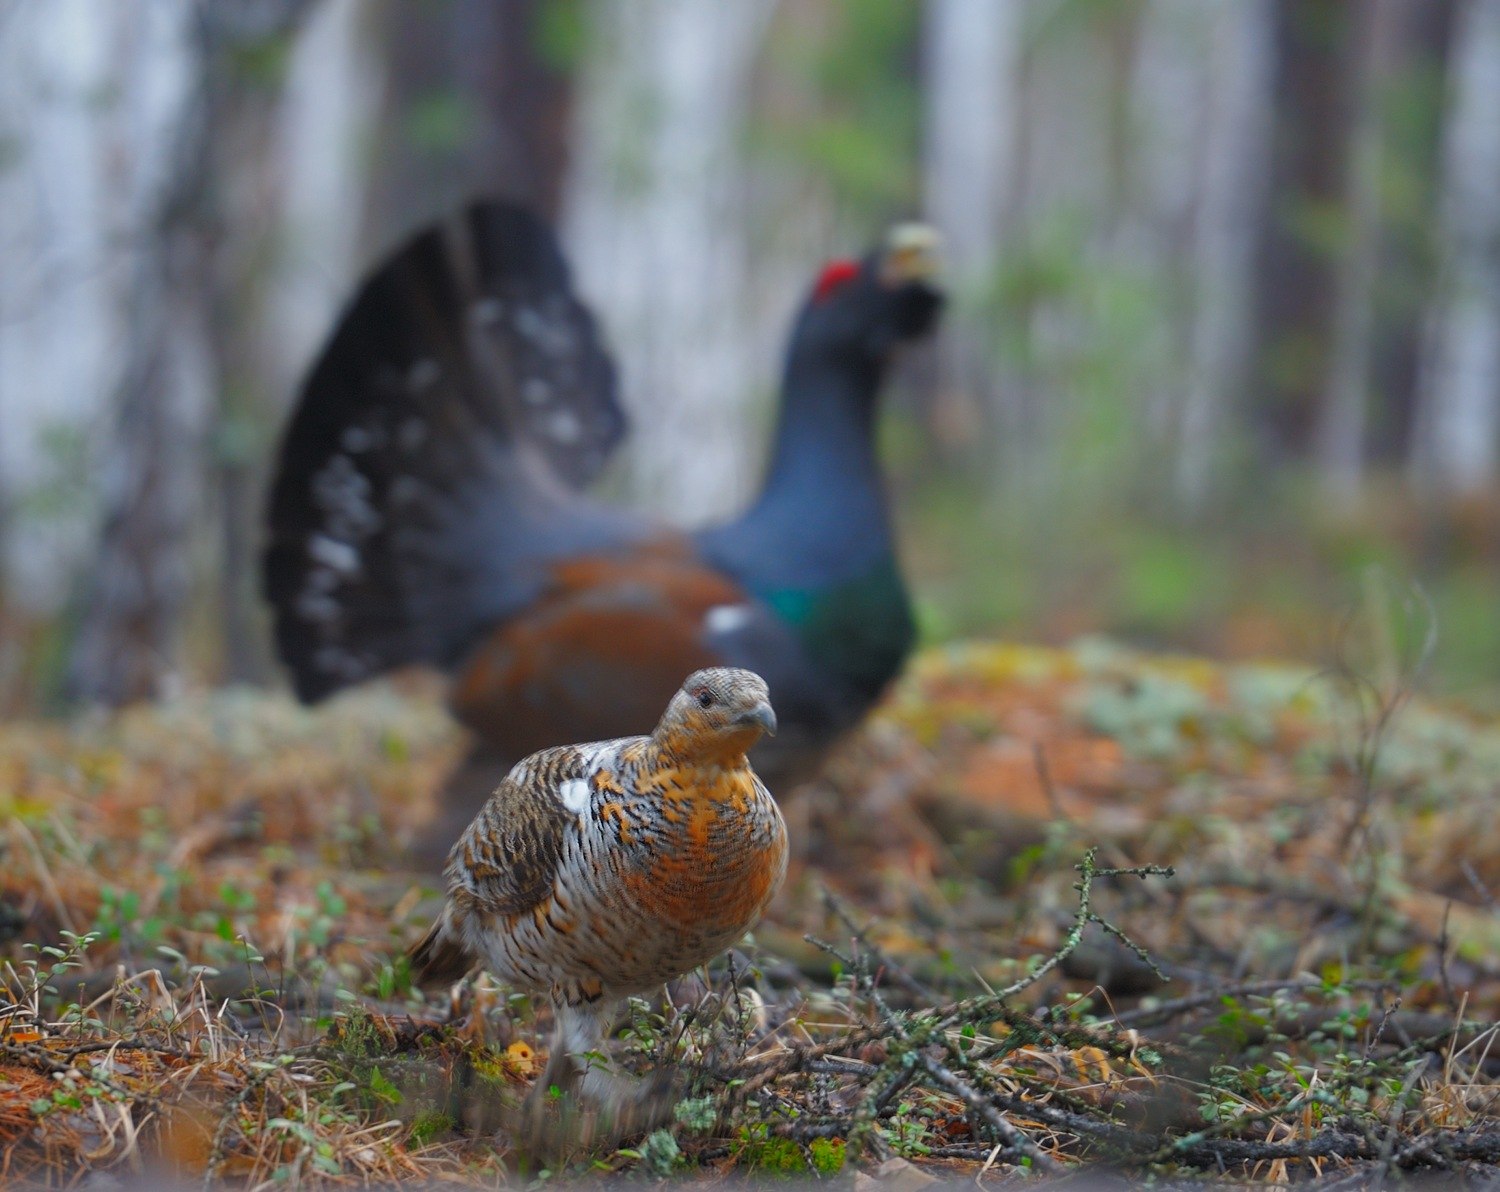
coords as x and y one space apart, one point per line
564 427
423 374
355 439
333 554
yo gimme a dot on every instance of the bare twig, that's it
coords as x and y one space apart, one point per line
1084 915
1011 1138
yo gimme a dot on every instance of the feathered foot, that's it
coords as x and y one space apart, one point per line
580 1104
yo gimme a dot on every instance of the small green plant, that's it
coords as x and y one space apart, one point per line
697 1113
907 1131
43 969
660 1153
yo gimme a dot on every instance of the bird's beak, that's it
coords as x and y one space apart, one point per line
912 252
760 717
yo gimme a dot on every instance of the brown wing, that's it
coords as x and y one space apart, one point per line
506 860
598 656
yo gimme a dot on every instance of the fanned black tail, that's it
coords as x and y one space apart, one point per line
463 380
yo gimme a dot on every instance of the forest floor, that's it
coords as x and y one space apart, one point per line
980 966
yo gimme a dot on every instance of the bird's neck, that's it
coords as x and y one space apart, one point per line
817 545
825 438
680 747
821 516
693 771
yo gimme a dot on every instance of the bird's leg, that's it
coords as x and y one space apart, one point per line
601 1106
577 1047
624 1104
559 1117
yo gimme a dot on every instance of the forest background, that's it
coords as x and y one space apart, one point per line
1224 341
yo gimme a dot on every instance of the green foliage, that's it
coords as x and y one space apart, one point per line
260 62
1165 581
561 33
862 135
439 122
1023 560
65 489
355 1036
45 969
119 918
907 1132
395 746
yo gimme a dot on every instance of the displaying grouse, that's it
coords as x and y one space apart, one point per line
598 871
426 509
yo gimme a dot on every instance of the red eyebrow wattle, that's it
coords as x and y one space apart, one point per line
834 274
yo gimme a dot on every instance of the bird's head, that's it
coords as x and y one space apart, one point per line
873 305
718 714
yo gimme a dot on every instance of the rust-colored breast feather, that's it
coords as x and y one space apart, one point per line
601 652
706 857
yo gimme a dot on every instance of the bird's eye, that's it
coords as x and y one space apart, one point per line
705 697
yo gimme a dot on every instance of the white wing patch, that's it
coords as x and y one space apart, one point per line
726 618
574 794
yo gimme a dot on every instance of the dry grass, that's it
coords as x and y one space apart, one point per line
239 1009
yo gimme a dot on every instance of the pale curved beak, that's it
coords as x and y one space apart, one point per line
912 252
760 717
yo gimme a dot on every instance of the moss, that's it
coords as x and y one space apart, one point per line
827 1155
779 1157
490 1069
774 1156
428 1125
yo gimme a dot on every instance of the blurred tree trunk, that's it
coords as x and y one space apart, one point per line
241 226
1200 98
1408 267
1296 283
471 106
179 352
88 96
971 84
1069 190
1348 400
657 220
1459 414
327 123
1232 201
